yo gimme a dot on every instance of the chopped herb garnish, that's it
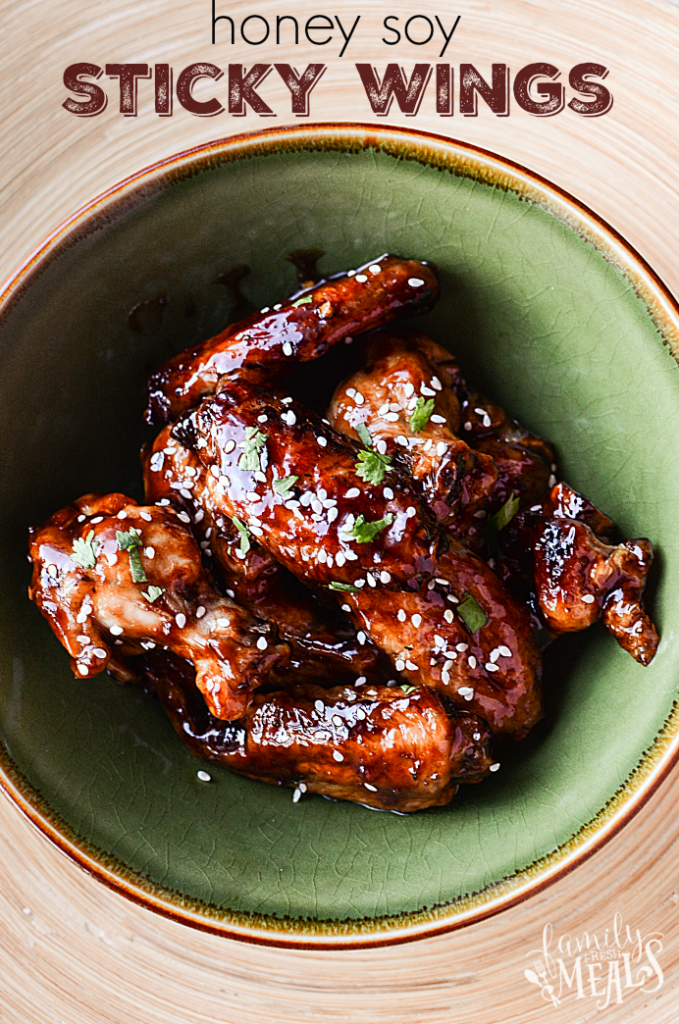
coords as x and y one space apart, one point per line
303 301
252 446
372 467
407 688
244 535
364 434
500 519
345 588
131 541
153 593
421 413
284 486
85 551
472 614
363 532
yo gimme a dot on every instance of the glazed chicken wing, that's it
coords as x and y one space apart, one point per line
376 745
553 554
402 403
345 520
295 331
322 644
114 578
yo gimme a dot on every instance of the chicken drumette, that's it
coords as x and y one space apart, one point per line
114 578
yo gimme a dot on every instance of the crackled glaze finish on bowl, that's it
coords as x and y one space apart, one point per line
547 310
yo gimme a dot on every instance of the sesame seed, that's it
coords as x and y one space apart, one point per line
495 767
262 643
415 282
462 648
229 447
99 652
287 349
147 516
411 511
266 309
361 278
437 419
319 705
551 481
391 417
372 582
441 448
323 441
476 736
375 268
588 598
373 789
504 651
472 661
336 720
466 691
402 440
429 392
81 519
491 667
361 637
180 619
322 556
361 715
358 398
200 611
263 418
359 681
411 666
416 619
338 757
332 516
183 517
353 492
448 615
289 417
445 677
150 552
427 445
278 306
383 409
296 795
381 445
121 515
215 473
203 776
98 519
401 615
449 664
494 655
400 665
385 577
116 630
223 623
83 670
467 426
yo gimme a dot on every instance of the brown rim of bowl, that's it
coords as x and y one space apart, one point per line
471 161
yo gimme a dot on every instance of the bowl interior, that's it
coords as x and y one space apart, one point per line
538 318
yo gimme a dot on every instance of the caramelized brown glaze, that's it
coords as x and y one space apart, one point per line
294 331
100 614
384 396
313 533
575 577
376 745
322 644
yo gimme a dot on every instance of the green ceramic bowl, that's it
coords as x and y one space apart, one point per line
548 310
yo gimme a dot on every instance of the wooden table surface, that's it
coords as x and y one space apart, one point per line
71 951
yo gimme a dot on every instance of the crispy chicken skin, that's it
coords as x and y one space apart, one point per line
553 553
376 745
294 331
385 395
322 644
100 614
316 532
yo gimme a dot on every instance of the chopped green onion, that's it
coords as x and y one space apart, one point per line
345 588
500 519
131 541
244 535
407 688
283 486
153 593
303 301
85 551
472 614
364 532
421 413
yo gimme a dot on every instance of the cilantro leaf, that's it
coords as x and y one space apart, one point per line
283 486
345 588
131 541
85 551
303 301
244 535
407 688
363 532
471 613
372 467
421 413
153 593
364 435
501 518
252 446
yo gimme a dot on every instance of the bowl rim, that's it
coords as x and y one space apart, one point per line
445 153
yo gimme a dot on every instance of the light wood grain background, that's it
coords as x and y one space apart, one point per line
70 951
